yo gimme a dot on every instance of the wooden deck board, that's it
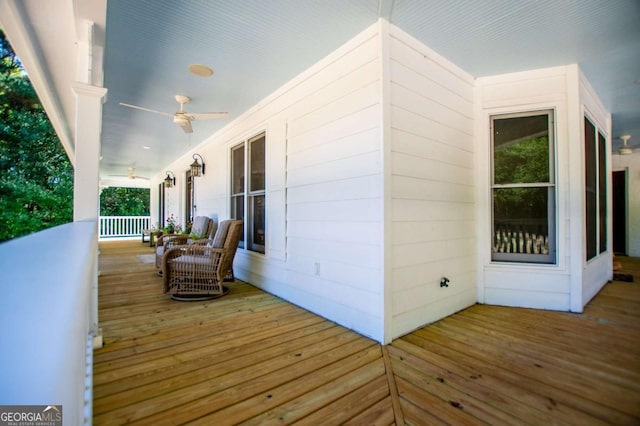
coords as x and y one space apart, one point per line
252 358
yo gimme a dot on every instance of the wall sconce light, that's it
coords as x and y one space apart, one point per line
170 180
197 169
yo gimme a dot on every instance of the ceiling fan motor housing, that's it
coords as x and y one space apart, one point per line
625 151
181 119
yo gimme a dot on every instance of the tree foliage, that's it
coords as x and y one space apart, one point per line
36 177
116 201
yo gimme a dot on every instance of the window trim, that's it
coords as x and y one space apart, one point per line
551 257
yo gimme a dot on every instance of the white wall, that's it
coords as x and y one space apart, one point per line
631 163
432 175
324 187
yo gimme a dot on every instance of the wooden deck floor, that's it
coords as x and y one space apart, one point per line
252 358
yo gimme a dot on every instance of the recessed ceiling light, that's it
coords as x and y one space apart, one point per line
200 70
637 81
146 147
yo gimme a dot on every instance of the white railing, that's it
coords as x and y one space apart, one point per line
48 318
122 226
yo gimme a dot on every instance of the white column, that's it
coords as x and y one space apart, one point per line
88 129
86 187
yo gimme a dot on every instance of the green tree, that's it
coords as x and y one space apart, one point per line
36 177
116 201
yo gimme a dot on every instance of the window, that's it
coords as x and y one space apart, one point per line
523 187
595 190
248 197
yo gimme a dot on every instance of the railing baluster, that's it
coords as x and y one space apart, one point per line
122 226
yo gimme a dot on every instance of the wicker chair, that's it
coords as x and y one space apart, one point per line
198 271
202 226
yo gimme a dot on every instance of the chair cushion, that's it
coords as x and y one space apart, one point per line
200 226
203 260
159 250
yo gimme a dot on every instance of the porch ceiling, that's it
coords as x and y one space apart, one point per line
256 46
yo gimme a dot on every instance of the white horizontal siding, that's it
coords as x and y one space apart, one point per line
413 298
527 299
430 273
323 189
424 146
351 167
544 278
444 305
431 169
405 210
418 123
333 213
430 251
431 190
365 186
432 185
523 88
440 230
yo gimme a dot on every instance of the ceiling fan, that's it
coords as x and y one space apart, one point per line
625 149
131 175
182 118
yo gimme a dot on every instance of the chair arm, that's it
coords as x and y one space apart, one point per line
175 240
191 250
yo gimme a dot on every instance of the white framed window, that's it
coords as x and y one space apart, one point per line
523 188
248 195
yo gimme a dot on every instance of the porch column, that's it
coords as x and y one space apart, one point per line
88 129
86 187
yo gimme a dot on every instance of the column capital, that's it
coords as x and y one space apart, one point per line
85 89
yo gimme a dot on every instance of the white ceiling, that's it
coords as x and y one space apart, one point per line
255 46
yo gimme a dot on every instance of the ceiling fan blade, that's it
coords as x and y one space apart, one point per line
146 109
206 115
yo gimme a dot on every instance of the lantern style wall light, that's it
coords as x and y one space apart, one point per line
170 180
197 169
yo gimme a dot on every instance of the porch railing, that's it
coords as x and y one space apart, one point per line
122 226
48 319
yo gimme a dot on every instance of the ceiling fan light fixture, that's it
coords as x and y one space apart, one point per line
200 70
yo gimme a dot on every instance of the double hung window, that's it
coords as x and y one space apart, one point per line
523 187
248 195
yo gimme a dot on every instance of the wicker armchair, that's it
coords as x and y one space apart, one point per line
198 271
202 226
